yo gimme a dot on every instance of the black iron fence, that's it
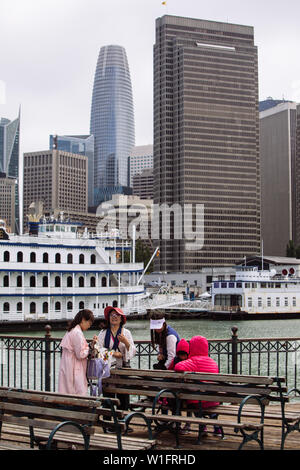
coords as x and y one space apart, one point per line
33 363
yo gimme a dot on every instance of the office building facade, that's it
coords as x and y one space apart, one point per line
7 201
140 159
80 145
142 185
9 161
56 178
278 177
112 123
206 139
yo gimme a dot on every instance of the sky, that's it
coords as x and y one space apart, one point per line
49 50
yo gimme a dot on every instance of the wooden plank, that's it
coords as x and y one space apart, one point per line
196 376
181 395
189 388
53 412
24 423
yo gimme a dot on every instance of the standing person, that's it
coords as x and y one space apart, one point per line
75 350
119 339
165 337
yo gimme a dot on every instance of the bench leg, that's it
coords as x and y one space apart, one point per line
286 429
251 437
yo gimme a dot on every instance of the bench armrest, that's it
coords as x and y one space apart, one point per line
69 423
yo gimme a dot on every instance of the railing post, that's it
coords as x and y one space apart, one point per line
47 358
234 341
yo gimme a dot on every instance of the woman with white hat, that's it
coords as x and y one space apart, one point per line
165 337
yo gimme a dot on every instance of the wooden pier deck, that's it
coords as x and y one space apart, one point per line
166 441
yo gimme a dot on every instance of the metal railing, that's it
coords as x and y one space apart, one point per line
33 363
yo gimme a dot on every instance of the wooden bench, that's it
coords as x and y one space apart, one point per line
234 392
50 419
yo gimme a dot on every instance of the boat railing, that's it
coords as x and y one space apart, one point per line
33 362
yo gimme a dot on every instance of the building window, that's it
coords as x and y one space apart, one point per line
6 281
70 259
93 259
6 307
69 281
81 281
19 307
32 257
57 258
6 256
45 307
19 257
45 258
81 259
57 281
32 282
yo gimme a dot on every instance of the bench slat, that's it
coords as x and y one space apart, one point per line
53 412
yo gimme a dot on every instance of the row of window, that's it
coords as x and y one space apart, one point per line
32 258
45 306
57 281
278 302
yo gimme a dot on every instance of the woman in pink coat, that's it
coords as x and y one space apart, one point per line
75 349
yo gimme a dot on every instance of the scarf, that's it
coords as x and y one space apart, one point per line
116 341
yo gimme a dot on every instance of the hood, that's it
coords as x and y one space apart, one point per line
198 346
183 345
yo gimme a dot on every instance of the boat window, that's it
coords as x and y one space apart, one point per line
19 281
81 281
45 258
286 302
294 302
81 259
93 259
259 302
93 281
57 306
6 307
57 281
277 285
81 305
239 285
57 258
20 257
69 281
269 302
32 257
32 307
32 282
250 302
103 281
254 285
70 258
45 281
19 307
6 256
45 307
263 284
277 302
6 281
69 305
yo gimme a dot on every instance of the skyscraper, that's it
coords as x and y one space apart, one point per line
278 177
206 138
81 145
112 123
9 159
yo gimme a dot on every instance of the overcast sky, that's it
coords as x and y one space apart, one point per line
49 50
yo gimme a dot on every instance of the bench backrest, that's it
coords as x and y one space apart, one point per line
225 388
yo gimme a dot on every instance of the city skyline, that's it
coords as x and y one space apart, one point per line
55 69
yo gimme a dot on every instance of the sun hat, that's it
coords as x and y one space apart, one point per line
108 309
157 324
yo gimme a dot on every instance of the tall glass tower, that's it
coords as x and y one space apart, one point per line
9 158
112 123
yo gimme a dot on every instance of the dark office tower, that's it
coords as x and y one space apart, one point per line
112 123
206 138
9 160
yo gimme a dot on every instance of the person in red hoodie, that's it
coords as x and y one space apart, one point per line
199 361
182 353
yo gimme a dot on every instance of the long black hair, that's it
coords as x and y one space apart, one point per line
82 314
